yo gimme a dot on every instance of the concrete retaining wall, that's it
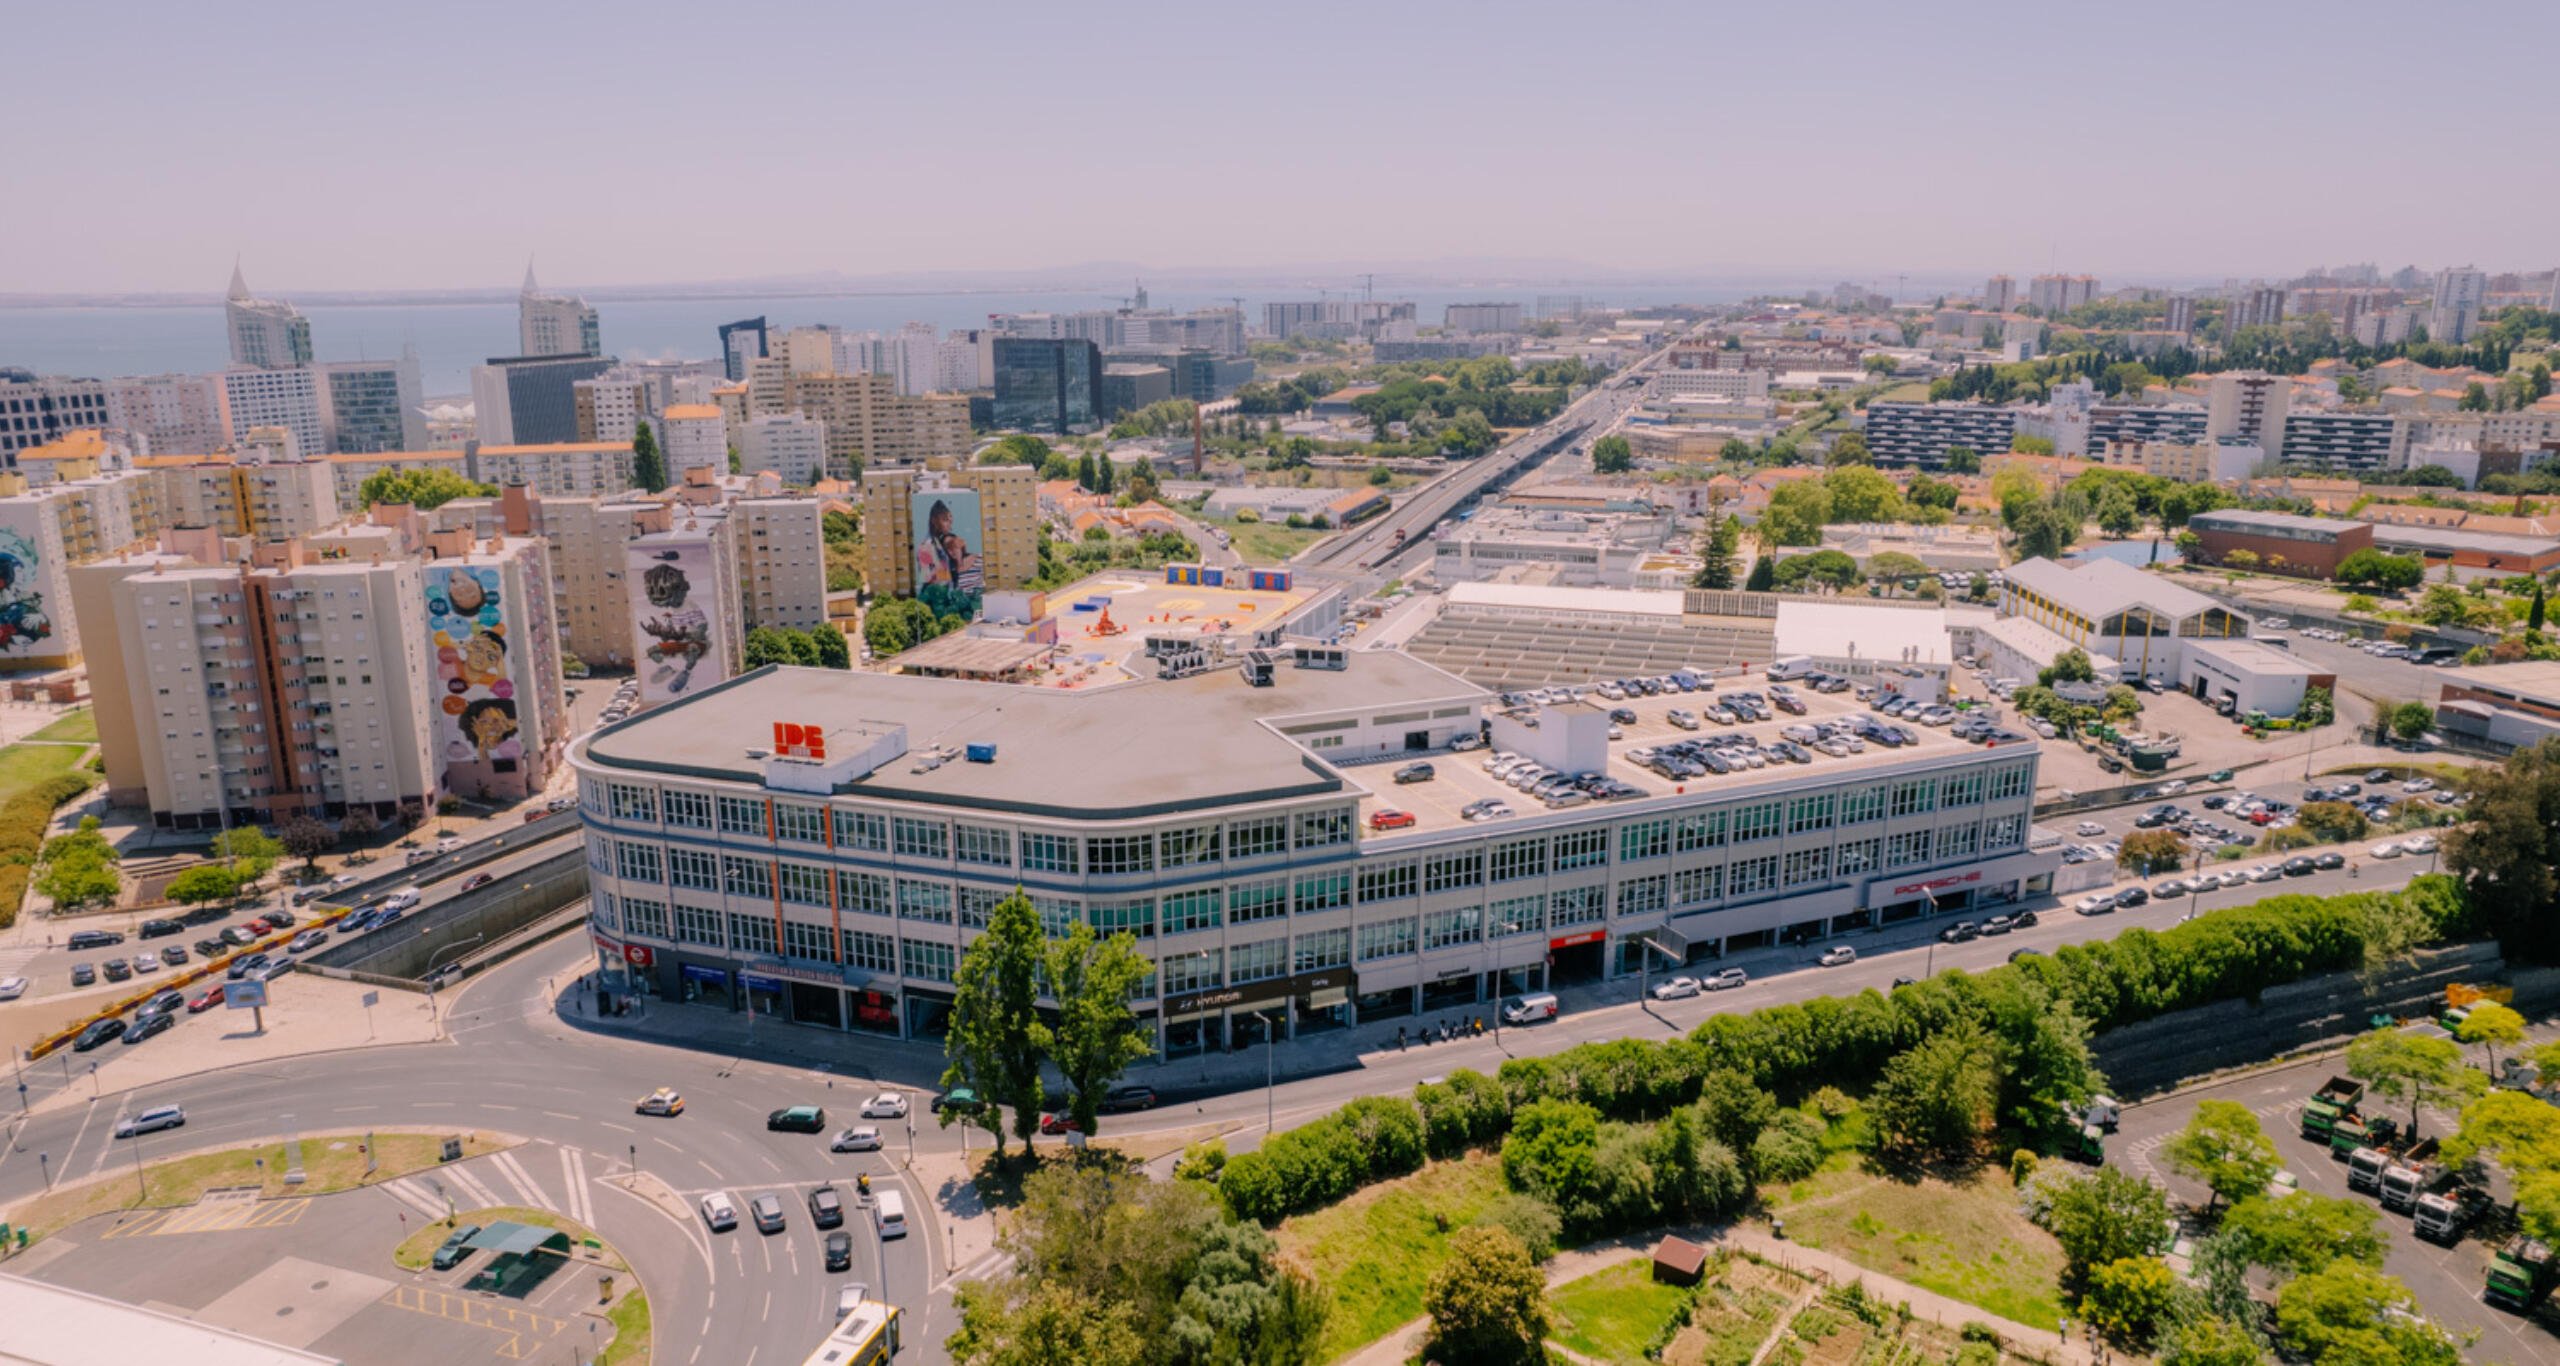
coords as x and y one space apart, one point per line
480 918
2327 1010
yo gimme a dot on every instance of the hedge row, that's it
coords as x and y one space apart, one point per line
23 821
1830 1041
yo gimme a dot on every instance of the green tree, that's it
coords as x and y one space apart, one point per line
79 871
2491 1024
1861 493
1096 1036
2318 708
1734 1108
2070 666
2128 1299
1016 448
996 1040
202 885
2508 849
2442 605
1040 1324
1963 460
2023 444
2475 398
2348 1314
1936 1097
2103 1216
1848 448
1553 1152
2291 1234
2420 1070
1830 568
2409 720
1764 575
1892 566
1796 513
1467 436
306 839
2522 1135
1487 1302
648 464
774 645
2332 822
2117 515
2372 567
1716 547
2224 1147
423 489
250 851
1612 455
2209 1340
2044 530
2533 614
1790 1149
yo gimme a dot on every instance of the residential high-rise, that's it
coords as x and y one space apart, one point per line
1047 385
2456 314
264 332
1006 537
530 400
611 407
2054 295
792 445
2181 317
1501 317
685 622
370 405
1999 293
694 438
740 342
2248 405
782 562
34 411
555 324
869 424
500 721
172 414
80 516
2254 305
289 398
574 469
262 500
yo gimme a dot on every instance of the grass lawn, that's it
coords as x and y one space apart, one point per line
1267 542
81 726
413 1253
24 766
1967 1242
1614 1315
328 1164
1376 1250
630 1320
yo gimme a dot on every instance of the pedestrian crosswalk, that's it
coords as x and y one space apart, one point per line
538 1175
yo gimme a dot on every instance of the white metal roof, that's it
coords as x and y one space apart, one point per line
54 1325
2100 588
1851 630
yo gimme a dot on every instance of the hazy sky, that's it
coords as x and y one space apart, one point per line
437 145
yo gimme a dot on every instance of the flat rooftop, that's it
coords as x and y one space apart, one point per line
59 1326
1143 749
2255 656
1851 630
1143 604
2535 680
1461 778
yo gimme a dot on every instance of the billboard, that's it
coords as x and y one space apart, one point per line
474 670
24 623
676 591
951 574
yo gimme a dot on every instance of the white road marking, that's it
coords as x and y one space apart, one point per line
522 1180
400 1189
471 1186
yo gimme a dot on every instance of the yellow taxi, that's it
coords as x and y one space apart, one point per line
663 1101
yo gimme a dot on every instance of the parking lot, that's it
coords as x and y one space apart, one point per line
2446 1280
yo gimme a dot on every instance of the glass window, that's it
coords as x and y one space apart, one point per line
1323 892
693 868
920 839
1257 837
638 862
1192 971
1697 886
804 885
1318 949
647 918
809 943
1050 853
1445 929
867 893
803 824
1582 848
1188 846
1108 854
747 876
1805 867
1754 876
1518 859
978 905
1861 804
1961 789
1387 882
1915 795
692 810
1519 915
930 961
864 830
1058 914
928 901
1858 857
1137 915
2003 832
989 845
1957 841
1907 848
1197 909
1452 870
1324 829
694 925
752 934
1258 961
1386 938
1809 813
632 803
1759 821
1643 895
1644 839
1261 899
1575 906
2008 782
742 816
876 952
1700 830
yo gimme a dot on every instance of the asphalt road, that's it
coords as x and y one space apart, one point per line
2447 1280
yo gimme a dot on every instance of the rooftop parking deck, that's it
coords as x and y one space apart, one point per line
1461 778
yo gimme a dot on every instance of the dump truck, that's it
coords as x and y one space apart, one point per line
2443 1216
2336 1097
2415 1172
2357 1130
2520 1276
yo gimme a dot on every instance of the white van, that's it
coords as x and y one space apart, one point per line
1796 666
718 1212
404 899
1520 1010
893 1214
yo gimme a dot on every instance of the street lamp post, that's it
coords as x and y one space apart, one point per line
434 1007
44 1164
1270 1073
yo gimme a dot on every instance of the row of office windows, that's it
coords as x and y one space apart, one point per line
1257 900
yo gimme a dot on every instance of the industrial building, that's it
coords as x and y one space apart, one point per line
2281 542
2251 676
2132 625
821 846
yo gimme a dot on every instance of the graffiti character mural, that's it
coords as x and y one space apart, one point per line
23 623
474 670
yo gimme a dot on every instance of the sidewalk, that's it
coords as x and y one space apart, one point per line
1405 1343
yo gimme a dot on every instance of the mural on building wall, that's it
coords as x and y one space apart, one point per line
676 586
951 573
474 668
23 623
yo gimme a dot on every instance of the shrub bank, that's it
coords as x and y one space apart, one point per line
1795 1047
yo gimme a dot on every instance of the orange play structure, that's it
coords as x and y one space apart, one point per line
1106 626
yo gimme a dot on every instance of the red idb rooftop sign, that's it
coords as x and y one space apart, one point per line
792 740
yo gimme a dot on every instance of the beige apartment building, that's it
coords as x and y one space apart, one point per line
1008 513
583 469
79 517
871 426
262 501
782 562
610 407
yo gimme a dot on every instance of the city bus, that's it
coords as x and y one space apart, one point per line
865 1335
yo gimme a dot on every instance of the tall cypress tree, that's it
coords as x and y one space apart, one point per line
2533 619
648 466
1764 576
